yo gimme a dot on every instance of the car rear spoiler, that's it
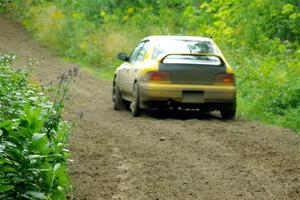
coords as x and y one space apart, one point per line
161 60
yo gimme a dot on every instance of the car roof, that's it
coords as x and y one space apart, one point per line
173 37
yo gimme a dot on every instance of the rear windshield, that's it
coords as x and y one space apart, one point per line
164 47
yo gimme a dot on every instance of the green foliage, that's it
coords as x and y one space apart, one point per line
260 38
3 4
32 139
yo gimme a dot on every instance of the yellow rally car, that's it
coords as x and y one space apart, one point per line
177 72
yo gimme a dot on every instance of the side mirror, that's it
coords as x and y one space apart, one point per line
122 56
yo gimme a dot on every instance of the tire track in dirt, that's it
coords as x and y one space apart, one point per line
124 175
201 157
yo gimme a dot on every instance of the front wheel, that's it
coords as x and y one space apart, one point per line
118 102
135 103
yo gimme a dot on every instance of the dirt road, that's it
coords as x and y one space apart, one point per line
174 156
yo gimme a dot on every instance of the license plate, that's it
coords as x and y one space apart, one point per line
193 96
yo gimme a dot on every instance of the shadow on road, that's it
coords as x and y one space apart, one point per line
183 114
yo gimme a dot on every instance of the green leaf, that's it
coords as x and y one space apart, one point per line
61 189
4 161
41 146
56 167
38 136
18 179
5 188
10 144
37 194
31 157
8 169
14 153
6 124
287 8
25 132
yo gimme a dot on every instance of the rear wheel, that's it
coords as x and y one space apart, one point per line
118 102
228 114
135 103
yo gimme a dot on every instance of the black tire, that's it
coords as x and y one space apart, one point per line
118 102
135 103
228 114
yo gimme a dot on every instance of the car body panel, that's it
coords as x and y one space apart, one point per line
162 91
191 71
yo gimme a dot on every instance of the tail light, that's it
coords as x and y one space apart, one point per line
157 76
225 79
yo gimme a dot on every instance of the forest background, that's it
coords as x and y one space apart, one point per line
260 39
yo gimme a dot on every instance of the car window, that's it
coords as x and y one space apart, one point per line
136 51
193 59
164 47
142 52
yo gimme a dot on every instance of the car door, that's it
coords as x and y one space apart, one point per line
136 64
121 76
129 69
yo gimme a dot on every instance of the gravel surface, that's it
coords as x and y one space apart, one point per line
174 155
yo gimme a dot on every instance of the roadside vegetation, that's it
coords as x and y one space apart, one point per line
260 39
33 137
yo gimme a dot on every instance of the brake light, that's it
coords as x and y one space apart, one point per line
225 79
157 76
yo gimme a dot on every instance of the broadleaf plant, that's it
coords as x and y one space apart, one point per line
32 150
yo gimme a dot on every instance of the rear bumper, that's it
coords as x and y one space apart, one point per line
186 93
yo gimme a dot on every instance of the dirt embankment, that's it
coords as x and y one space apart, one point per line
201 157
